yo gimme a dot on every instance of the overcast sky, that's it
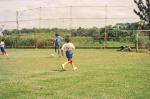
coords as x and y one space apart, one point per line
8 11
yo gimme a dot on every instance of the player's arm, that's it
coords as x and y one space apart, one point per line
61 38
72 46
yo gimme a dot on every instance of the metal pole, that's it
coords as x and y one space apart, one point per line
105 38
70 8
70 17
17 23
39 27
40 9
17 26
137 42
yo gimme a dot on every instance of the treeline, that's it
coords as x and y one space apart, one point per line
84 31
118 33
34 30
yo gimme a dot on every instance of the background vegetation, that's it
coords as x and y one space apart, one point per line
118 35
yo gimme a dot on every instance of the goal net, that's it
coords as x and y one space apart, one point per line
143 39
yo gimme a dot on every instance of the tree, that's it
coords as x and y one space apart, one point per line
144 10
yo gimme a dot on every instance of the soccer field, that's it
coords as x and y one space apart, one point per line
101 74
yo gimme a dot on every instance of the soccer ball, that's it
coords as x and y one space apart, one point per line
52 55
75 68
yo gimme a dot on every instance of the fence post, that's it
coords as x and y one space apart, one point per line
70 17
17 26
105 38
40 11
137 42
17 23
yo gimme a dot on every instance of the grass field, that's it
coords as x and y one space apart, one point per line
101 74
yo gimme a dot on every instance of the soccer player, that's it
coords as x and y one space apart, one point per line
57 44
2 48
68 47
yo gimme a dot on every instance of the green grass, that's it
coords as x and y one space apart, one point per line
88 41
101 74
118 44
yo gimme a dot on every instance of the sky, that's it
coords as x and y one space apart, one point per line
117 11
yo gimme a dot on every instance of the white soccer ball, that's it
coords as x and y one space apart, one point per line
75 68
52 55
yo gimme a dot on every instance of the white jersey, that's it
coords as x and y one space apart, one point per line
2 44
68 47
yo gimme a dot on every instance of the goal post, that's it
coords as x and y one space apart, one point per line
142 39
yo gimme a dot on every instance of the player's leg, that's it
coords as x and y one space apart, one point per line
4 52
59 51
67 56
1 51
63 65
55 49
73 66
70 55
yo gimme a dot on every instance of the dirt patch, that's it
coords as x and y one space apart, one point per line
139 53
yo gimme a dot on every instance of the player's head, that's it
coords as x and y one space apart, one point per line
2 40
56 34
67 40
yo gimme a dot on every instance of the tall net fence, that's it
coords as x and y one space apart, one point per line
88 26
75 16
143 39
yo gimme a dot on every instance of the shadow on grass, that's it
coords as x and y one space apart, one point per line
39 74
59 70
3 58
47 73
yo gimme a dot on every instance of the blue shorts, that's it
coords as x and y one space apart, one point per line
69 54
2 49
57 46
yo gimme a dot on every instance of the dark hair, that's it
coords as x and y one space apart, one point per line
56 34
67 40
2 40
